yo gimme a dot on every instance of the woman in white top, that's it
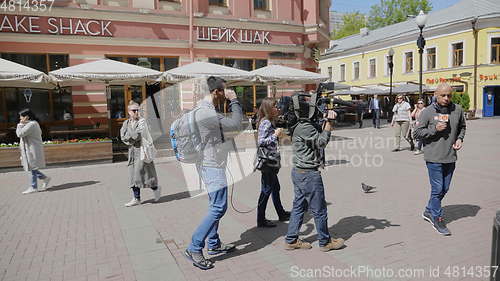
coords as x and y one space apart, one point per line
31 145
401 122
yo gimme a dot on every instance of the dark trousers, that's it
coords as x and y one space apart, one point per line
270 186
137 191
360 119
309 194
376 118
440 179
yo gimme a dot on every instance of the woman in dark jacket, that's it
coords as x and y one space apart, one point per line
270 186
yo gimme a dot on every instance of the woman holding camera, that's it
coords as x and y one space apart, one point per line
268 144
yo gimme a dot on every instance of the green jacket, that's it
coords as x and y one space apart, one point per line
308 146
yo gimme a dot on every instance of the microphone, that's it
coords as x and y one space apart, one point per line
444 114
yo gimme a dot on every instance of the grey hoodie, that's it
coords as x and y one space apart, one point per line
438 145
210 124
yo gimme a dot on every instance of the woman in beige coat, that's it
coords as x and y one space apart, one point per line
31 145
141 152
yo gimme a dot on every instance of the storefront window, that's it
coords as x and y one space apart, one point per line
58 61
261 4
216 61
260 63
152 63
36 61
117 102
121 95
217 2
50 106
170 63
250 97
495 50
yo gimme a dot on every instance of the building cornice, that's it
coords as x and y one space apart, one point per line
111 41
156 18
448 29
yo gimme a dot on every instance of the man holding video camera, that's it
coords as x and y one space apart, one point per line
309 141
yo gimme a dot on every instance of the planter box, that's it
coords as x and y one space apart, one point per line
62 153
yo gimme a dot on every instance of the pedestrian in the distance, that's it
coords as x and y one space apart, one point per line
376 109
360 110
415 115
268 143
31 145
401 122
441 127
141 152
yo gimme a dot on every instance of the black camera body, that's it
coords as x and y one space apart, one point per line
305 107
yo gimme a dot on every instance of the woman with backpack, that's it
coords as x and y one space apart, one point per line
268 145
141 152
31 145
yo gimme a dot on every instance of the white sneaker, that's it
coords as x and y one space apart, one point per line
30 190
45 182
417 152
133 202
157 193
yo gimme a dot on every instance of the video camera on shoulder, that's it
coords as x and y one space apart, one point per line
306 107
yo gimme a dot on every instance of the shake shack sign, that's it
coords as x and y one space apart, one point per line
232 35
55 25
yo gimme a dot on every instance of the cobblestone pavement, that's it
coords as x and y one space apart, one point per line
79 229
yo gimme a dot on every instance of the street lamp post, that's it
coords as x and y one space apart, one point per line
390 63
421 20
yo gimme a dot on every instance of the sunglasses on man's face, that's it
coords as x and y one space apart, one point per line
134 110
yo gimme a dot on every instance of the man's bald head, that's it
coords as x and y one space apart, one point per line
443 94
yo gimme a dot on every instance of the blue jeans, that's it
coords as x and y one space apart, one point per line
270 186
440 179
309 193
216 184
35 175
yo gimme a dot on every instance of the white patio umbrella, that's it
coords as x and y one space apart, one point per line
204 69
279 74
282 74
106 71
408 88
17 75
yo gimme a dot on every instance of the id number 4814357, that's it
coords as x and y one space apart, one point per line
477 271
26 5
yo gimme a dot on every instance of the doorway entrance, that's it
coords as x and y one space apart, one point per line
491 101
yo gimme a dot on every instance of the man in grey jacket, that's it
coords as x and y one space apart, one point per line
214 128
308 149
441 127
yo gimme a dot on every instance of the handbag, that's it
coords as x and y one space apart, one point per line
265 158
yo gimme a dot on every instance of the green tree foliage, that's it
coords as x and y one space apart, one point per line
456 98
465 101
393 11
462 99
353 22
